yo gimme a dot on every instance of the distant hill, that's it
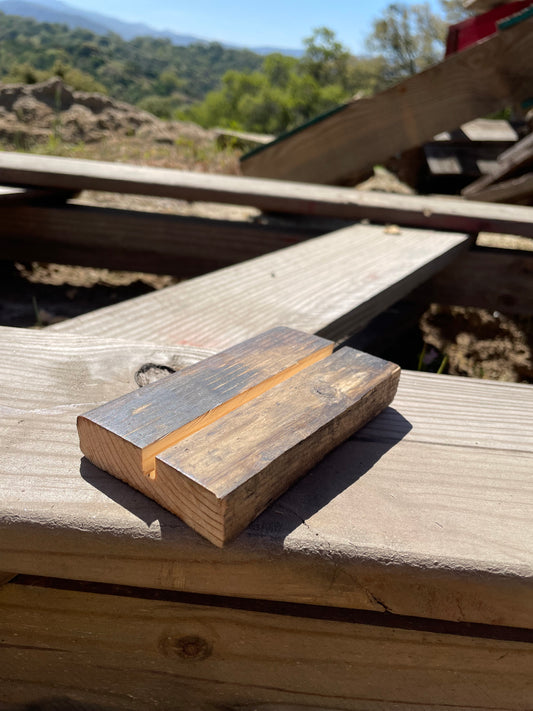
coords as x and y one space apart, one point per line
57 11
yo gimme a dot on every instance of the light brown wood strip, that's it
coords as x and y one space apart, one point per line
268 195
221 478
123 436
131 653
343 147
331 285
425 512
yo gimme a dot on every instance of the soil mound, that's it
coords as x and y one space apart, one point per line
32 113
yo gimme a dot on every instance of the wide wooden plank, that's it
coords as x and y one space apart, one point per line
518 157
221 478
268 195
124 436
331 285
118 239
513 190
343 147
424 512
126 652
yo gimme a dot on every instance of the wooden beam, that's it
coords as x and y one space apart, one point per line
268 195
417 514
494 279
138 241
94 651
343 147
514 190
19 196
517 158
331 285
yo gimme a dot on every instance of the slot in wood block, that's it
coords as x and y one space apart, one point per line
220 479
123 436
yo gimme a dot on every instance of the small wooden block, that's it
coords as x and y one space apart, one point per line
123 436
216 443
220 479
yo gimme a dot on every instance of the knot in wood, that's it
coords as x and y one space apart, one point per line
150 372
192 648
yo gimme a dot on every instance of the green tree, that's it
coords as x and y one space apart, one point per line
409 37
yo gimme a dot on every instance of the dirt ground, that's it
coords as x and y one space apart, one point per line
457 340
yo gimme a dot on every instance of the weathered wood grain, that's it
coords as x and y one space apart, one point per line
123 436
519 156
343 147
117 239
134 653
268 195
425 512
221 478
331 285
513 190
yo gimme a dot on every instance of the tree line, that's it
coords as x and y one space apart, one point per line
215 86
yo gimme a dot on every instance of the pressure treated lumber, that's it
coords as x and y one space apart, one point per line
331 285
516 158
269 195
343 147
123 651
425 512
124 436
138 241
221 478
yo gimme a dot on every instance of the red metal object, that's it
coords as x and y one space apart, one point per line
476 28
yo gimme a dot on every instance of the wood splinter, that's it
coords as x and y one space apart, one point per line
217 442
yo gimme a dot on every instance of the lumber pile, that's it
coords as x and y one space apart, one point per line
510 179
342 148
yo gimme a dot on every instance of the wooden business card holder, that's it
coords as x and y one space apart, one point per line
217 442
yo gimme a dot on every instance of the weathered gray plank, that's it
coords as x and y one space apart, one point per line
517 157
268 195
425 512
128 653
343 147
330 285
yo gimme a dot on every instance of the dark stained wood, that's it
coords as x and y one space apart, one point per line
221 478
487 278
343 147
268 195
138 241
124 435
105 651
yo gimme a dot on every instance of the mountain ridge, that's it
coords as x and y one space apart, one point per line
56 11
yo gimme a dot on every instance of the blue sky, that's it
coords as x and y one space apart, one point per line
280 23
